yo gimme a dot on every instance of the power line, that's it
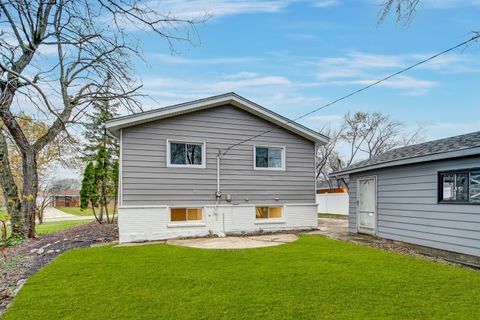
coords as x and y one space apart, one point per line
464 43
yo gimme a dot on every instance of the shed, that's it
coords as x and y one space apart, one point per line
426 194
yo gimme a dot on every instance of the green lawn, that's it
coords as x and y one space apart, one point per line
77 211
48 227
313 278
333 215
82 212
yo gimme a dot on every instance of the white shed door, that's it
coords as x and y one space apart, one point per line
367 205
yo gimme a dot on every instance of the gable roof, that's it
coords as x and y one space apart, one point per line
458 146
115 125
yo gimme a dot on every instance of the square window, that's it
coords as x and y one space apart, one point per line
184 154
262 213
178 214
268 212
269 158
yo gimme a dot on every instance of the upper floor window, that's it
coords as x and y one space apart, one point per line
459 186
269 158
186 154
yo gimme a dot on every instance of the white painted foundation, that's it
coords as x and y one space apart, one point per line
147 223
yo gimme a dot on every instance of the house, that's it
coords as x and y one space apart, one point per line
426 194
332 197
220 165
66 198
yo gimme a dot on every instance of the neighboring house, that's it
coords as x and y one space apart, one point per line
173 184
66 198
427 194
332 197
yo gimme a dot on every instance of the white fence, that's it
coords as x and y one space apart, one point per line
336 203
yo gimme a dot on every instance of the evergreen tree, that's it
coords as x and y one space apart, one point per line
103 150
89 190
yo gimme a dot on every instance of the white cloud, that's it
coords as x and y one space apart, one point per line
301 36
364 68
175 59
325 3
273 91
241 75
445 4
413 87
218 8
438 4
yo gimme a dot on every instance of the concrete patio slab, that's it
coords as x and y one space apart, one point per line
235 242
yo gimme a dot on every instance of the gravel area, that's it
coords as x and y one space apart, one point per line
27 258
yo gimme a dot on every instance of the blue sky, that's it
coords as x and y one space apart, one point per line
293 56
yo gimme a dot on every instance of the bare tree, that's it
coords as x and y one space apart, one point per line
371 134
404 9
361 135
57 56
328 158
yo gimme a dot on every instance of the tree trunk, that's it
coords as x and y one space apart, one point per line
10 192
106 209
115 206
95 215
100 215
30 189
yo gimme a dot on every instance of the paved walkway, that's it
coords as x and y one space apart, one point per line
269 240
333 228
53 214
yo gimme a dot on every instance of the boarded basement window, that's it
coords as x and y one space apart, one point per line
185 214
268 212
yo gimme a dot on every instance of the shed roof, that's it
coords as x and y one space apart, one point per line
458 146
115 125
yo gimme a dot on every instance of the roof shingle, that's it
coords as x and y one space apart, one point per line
457 143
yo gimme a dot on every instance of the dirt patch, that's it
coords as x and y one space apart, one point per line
25 259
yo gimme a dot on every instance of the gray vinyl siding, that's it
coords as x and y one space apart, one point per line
146 179
408 210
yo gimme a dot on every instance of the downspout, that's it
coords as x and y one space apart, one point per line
218 195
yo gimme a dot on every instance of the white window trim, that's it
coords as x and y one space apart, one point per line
269 220
199 166
284 158
192 223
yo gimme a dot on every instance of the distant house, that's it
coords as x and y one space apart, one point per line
427 194
66 198
220 165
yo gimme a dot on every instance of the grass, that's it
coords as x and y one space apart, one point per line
82 212
333 215
49 227
77 211
312 278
